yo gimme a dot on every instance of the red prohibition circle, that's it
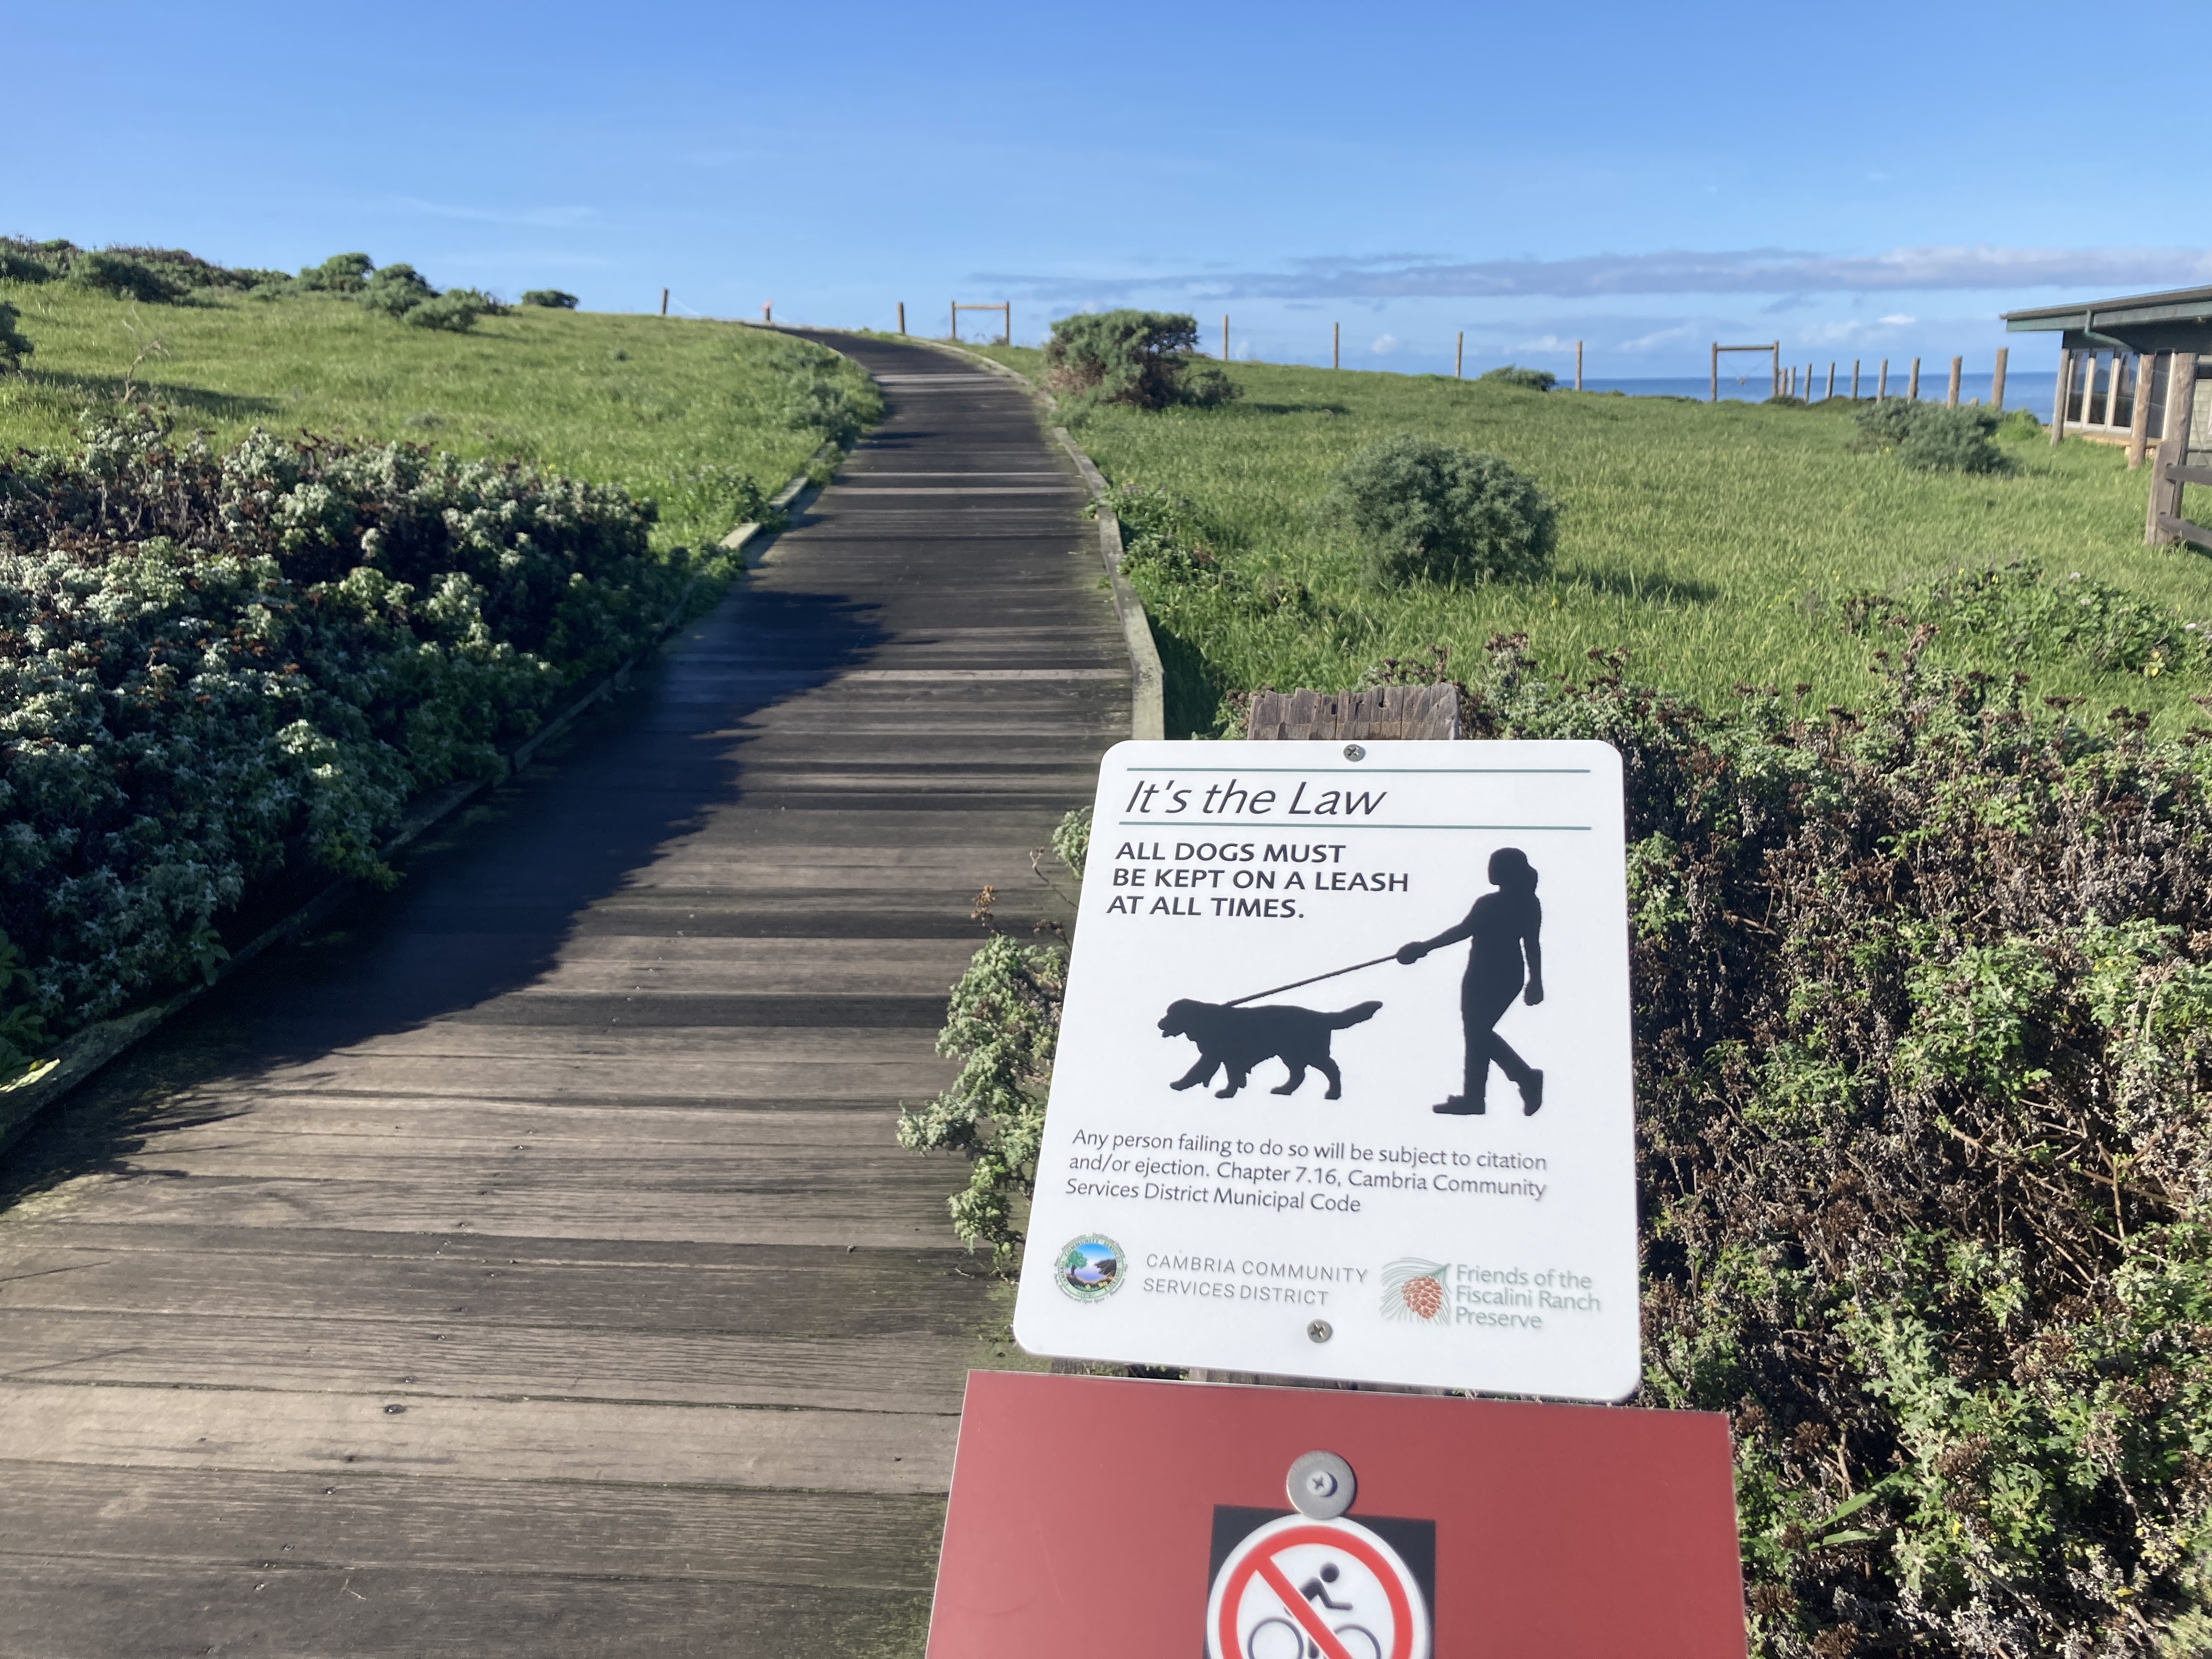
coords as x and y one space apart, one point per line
1232 1592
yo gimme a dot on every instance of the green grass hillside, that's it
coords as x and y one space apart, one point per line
1717 544
659 406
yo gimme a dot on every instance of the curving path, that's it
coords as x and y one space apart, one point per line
524 1265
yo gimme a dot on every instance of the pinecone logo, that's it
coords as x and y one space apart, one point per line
1414 1289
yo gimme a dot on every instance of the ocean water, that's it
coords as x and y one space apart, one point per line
2023 390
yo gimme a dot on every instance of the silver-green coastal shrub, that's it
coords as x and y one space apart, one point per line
214 668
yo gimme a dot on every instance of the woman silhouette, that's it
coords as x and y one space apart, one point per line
1504 925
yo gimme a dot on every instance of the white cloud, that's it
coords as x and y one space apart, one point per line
1898 319
1744 270
1385 344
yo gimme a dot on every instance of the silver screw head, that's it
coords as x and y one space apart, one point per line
1321 1485
1320 1330
1352 751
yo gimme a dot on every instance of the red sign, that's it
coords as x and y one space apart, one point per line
1098 1516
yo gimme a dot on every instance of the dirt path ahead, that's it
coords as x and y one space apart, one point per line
524 1265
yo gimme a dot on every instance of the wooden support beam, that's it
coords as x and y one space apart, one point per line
2139 416
2164 511
2059 400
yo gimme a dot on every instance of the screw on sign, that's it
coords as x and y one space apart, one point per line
1301 1588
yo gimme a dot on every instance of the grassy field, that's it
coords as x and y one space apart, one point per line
1714 543
643 402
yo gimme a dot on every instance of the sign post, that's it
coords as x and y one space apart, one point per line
1343 1084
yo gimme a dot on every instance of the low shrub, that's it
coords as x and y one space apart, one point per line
124 277
1143 358
341 273
1530 380
216 667
396 289
2017 424
153 275
15 346
455 311
821 393
1422 511
552 299
1923 1056
1932 437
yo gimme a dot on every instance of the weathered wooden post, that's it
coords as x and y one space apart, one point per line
902 306
1716 396
1881 386
1854 379
2065 391
1578 365
664 302
2173 448
1225 336
1831 392
1006 324
1459 353
1951 397
1336 346
1775 368
956 319
1996 383
1912 391
2139 420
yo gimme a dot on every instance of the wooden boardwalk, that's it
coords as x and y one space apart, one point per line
524 1265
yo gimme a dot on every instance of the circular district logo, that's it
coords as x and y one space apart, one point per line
1089 1268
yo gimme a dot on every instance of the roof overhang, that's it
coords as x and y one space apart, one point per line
2176 320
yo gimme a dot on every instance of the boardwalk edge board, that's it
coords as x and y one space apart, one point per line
1147 688
79 1057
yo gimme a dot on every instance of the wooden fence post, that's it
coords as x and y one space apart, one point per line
664 302
1006 324
1776 368
1951 397
1831 392
1996 383
902 306
1716 396
2065 389
1225 336
2139 416
1336 346
1912 392
1854 379
2172 448
1578 365
1881 386
1459 353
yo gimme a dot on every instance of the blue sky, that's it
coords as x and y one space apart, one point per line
1876 179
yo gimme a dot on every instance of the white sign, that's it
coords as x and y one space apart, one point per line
1297 1587
1343 1086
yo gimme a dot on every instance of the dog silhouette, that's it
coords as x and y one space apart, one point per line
1240 1038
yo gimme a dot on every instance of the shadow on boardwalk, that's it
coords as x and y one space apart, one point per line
483 905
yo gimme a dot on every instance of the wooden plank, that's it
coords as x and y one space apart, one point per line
357 1521
904 1373
98 1606
514 1440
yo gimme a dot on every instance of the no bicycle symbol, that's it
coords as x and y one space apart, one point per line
1300 1589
